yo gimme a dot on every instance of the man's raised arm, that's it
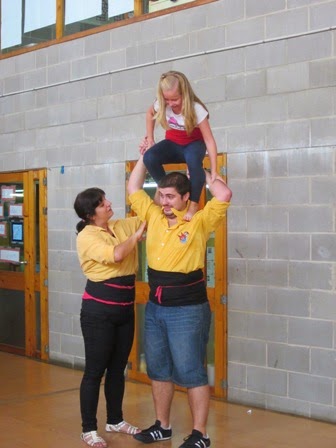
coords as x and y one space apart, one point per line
218 188
137 177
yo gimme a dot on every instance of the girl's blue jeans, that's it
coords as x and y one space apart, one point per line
167 151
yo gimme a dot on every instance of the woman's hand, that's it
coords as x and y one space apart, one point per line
139 233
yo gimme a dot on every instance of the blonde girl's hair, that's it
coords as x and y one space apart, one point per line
169 81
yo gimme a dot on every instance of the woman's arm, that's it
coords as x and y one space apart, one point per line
123 249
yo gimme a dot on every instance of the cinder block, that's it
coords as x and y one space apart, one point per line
322 15
288 191
72 345
59 73
245 246
309 275
81 68
267 272
247 351
288 247
288 302
112 61
310 388
96 43
251 30
323 306
247 298
236 375
324 247
263 7
35 79
323 362
310 332
267 219
266 109
312 162
293 21
310 47
289 78
237 324
310 218
267 381
207 39
288 405
322 73
288 135
225 11
324 190
288 358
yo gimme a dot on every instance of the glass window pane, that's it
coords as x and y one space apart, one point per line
77 10
12 318
81 16
117 7
39 14
11 19
26 23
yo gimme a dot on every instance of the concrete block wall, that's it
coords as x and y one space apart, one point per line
266 70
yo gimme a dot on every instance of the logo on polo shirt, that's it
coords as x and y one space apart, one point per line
183 237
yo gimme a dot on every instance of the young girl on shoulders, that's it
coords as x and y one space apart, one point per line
188 134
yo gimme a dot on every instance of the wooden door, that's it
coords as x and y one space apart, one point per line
23 264
216 274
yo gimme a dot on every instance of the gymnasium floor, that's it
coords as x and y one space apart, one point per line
39 408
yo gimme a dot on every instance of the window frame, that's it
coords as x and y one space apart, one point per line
138 17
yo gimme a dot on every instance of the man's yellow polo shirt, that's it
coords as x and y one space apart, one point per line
95 248
180 248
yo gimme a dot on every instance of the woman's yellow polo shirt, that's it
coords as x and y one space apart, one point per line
95 248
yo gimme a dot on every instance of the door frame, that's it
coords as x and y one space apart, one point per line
216 295
33 281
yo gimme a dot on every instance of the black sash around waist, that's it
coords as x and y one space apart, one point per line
114 291
177 288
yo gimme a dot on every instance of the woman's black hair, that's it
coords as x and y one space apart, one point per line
85 205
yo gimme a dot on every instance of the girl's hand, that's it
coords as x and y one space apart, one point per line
214 176
145 144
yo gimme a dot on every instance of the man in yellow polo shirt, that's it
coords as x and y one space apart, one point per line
177 317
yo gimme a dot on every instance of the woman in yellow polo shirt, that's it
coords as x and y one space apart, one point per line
107 252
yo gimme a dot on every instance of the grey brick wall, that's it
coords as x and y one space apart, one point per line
267 71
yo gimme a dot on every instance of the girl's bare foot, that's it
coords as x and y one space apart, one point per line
192 209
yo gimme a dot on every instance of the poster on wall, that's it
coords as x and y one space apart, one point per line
8 193
10 255
3 228
16 210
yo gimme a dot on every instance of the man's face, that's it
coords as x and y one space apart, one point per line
169 198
